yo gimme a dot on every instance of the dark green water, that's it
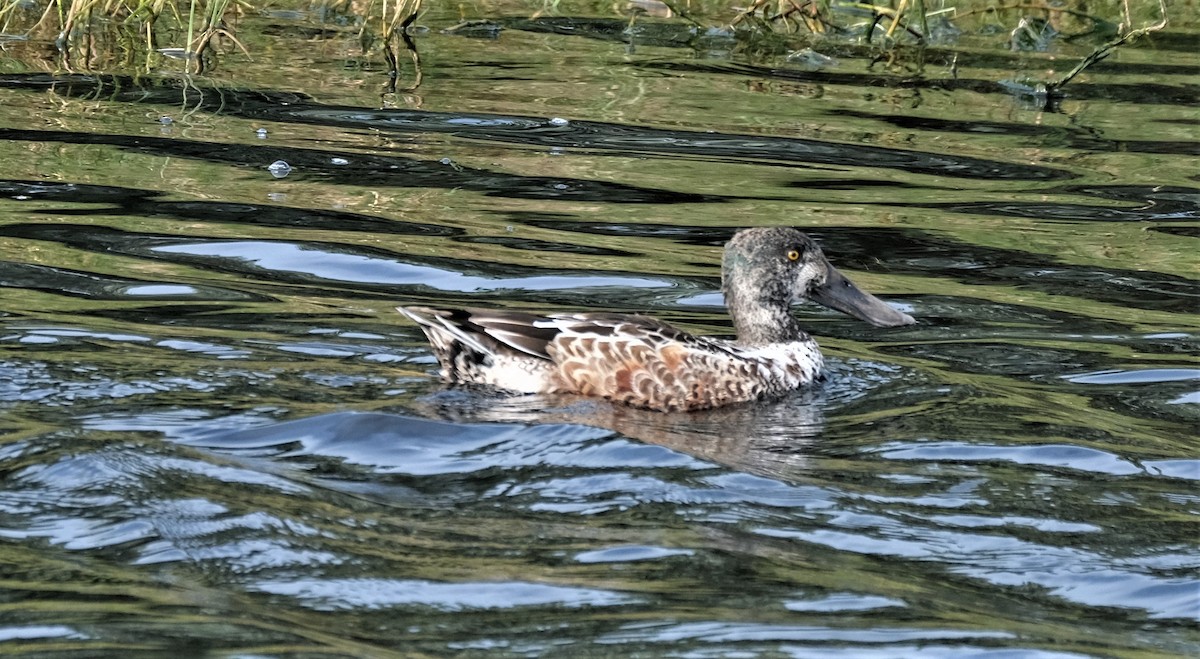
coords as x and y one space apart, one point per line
216 437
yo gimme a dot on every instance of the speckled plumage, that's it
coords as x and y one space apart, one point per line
640 361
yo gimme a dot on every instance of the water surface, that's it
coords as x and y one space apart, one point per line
219 437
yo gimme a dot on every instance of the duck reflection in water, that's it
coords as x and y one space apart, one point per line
765 440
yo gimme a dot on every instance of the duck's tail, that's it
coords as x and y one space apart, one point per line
497 348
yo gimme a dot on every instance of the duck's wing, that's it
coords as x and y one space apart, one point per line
485 331
629 328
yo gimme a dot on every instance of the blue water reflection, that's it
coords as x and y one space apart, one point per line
336 266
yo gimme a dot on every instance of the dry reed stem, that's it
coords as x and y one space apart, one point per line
896 19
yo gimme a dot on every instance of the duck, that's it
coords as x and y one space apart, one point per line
636 360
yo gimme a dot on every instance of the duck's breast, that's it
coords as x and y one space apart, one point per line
787 366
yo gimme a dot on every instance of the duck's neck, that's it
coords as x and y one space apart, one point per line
760 320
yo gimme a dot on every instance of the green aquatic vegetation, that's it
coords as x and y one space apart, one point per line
192 30
84 29
90 32
1029 26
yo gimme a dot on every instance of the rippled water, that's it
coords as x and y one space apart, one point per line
219 437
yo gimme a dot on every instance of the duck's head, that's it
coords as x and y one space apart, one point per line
767 269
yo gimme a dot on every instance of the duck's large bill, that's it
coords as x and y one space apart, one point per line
840 293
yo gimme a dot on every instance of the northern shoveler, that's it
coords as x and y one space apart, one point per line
640 361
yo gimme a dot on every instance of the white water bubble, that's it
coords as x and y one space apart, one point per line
279 169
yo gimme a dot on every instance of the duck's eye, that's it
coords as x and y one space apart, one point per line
793 255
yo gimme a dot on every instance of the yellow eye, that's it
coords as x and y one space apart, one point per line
793 255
